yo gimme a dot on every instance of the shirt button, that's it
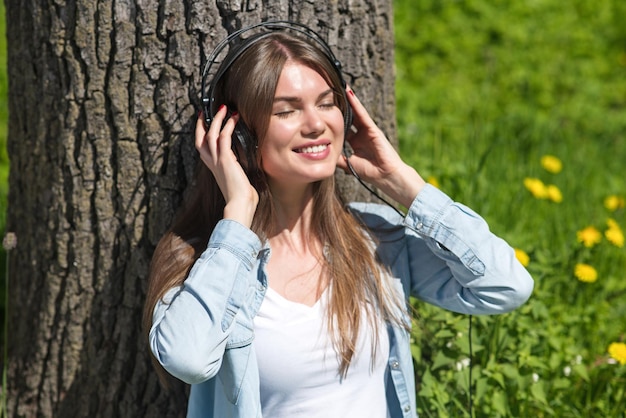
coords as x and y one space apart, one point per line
420 225
407 408
395 365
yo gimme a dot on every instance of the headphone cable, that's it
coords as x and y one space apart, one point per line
471 403
369 189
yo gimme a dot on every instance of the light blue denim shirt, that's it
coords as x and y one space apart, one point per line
442 252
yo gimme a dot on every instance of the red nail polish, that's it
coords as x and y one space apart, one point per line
221 107
351 93
235 113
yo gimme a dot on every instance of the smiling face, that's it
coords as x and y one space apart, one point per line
306 129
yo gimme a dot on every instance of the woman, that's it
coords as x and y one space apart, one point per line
273 298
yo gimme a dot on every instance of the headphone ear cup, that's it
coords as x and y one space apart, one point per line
245 148
348 118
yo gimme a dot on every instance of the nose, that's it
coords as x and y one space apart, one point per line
313 122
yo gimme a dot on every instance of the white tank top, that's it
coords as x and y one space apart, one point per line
299 369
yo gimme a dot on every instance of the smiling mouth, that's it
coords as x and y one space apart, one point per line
311 150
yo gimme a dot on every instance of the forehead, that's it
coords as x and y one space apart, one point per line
297 78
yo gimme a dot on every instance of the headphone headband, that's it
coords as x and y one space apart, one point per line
235 40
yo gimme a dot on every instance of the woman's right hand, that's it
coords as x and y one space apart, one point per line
215 151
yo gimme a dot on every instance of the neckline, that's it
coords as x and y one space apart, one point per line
278 298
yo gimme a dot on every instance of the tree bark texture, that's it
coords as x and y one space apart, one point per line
103 99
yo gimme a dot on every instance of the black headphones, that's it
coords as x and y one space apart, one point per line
244 143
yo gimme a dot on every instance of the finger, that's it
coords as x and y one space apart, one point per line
200 130
218 121
207 145
226 134
203 131
362 117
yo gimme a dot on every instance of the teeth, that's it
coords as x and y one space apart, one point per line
312 150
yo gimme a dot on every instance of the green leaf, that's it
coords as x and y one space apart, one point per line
539 393
445 334
581 370
511 372
441 360
498 377
499 403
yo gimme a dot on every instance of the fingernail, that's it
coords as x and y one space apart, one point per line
235 113
351 92
221 107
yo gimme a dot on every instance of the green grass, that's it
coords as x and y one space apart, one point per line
484 90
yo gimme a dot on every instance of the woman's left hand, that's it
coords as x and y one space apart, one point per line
375 160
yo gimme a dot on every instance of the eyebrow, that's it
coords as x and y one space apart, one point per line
298 99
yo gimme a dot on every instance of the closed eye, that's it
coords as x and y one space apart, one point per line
284 114
330 105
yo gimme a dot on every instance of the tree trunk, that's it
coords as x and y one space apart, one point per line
103 99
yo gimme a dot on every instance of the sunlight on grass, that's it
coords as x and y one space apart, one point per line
518 110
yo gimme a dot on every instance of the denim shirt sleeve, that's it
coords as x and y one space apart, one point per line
192 323
467 268
445 254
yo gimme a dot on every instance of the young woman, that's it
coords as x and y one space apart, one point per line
270 295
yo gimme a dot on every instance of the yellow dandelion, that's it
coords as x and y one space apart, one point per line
551 164
612 223
585 273
614 233
589 236
433 180
554 194
536 187
522 257
614 203
618 352
615 236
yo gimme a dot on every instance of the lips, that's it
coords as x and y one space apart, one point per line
315 149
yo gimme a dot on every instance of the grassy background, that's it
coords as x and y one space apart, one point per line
484 89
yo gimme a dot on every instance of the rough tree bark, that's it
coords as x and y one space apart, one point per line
103 97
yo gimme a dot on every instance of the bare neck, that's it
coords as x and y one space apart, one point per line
293 213
296 267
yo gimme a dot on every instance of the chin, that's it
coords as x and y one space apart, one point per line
322 174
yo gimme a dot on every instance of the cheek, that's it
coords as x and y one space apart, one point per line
270 156
339 122
280 133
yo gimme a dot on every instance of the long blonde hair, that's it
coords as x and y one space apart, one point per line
357 279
